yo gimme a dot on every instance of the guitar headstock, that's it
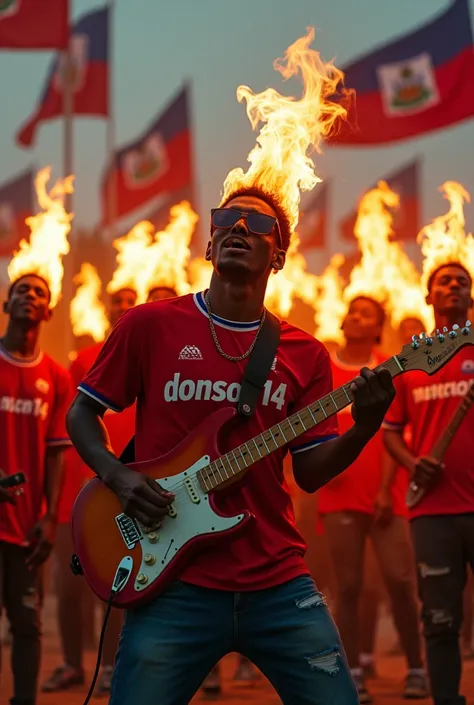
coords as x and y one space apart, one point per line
430 353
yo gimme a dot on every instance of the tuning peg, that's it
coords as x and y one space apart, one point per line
423 336
429 340
465 330
445 330
455 326
415 342
468 324
453 334
441 337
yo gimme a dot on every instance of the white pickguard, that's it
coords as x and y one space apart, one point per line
193 516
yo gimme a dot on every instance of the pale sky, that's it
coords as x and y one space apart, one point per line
219 44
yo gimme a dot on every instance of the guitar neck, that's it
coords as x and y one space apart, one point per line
234 463
458 417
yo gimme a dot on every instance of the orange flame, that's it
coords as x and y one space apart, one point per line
87 312
131 258
445 240
48 242
168 257
329 307
279 162
199 273
292 281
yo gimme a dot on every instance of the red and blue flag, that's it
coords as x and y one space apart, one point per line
16 204
34 24
312 224
87 75
417 84
158 165
406 218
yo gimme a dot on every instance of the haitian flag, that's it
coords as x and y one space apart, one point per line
34 24
16 204
406 218
313 219
88 76
417 84
156 165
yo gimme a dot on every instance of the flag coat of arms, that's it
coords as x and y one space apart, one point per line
87 74
155 166
16 204
414 85
34 24
406 219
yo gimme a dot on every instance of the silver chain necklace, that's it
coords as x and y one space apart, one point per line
232 358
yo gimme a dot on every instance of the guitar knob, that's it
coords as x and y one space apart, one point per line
152 537
149 558
142 578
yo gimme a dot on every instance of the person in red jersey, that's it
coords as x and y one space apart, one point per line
71 589
35 393
252 595
442 523
348 507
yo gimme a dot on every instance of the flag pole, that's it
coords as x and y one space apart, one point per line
68 97
66 78
110 137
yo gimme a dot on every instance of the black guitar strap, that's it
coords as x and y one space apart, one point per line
259 365
255 375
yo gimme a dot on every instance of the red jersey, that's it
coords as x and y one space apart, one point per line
120 427
181 380
34 398
357 487
428 404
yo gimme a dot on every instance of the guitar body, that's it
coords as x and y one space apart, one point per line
104 536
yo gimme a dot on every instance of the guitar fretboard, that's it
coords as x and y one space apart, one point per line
237 461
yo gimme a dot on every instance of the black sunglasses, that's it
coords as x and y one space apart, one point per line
257 223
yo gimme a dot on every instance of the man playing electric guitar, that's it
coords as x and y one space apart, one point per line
442 523
180 360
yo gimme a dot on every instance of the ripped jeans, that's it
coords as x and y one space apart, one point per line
444 546
169 646
21 598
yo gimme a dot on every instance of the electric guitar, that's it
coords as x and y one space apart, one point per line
415 492
122 560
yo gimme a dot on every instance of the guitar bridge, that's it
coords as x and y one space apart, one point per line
129 530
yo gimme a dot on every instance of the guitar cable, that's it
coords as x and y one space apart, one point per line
122 575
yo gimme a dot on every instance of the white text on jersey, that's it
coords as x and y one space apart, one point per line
444 390
29 407
206 390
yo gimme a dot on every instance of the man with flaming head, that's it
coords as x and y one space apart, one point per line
259 581
35 392
442 522
122 292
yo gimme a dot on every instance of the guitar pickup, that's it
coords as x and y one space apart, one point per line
129 530
189 484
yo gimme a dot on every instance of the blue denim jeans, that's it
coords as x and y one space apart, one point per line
169 646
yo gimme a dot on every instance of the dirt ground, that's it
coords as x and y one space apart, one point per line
385 689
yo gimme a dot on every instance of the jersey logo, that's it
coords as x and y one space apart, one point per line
42 385
467 367
207 390
190 352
